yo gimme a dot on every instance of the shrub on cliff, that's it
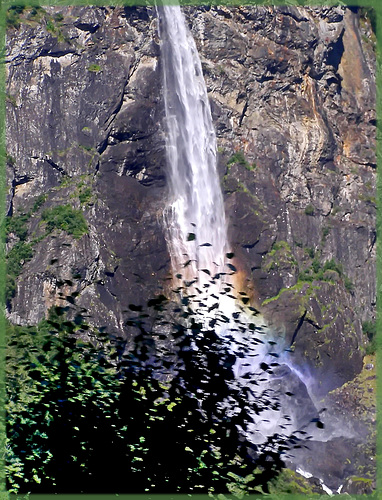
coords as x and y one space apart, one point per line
65 218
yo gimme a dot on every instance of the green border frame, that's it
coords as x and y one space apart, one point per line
4 5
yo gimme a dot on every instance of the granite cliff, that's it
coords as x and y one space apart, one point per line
292 94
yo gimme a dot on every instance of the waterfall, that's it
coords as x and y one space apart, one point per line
195 216
195 219
197 239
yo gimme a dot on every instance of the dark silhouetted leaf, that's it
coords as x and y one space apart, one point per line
133 307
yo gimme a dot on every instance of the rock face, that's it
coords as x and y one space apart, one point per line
292 94
84 112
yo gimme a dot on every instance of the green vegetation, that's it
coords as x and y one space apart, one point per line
309 251
12 99
56 385
65 218
290 482
22 251
86 148
279 257
94 68
325 232
349 285
33 15
370 14
317 271
369 329
75 400
17 225
58 17
10 159
62 217
17 14
50 26
13 16
85 195
309 210
368 199
295 288
239 159
39 201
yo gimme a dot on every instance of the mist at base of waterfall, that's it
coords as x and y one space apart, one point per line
280 394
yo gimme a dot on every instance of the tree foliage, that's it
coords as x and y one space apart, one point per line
159 413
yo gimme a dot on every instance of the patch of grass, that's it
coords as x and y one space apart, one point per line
349 285
316 265
94 68
280 257
368 13
369 328
85 195
40 200
17 225
36 13
86 148
295 288
310 252
10 160
51 27
309 210
65 218
317 271
13 16
240 159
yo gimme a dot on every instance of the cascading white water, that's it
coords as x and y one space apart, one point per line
196 202
197 231
195 198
